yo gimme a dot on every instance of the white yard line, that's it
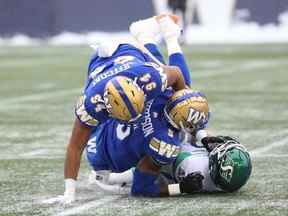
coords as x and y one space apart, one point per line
89 205
36 97
36 152
271 156
266 148
242 67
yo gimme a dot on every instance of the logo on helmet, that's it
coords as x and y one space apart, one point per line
226 169
124 99
187 110
195 116
230 165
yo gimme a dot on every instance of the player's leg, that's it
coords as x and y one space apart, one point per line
171 33
145 32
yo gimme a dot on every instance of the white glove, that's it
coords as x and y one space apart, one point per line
69 194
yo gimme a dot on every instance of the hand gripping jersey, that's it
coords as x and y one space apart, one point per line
118 146
126 61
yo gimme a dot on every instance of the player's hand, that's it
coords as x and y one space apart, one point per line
210 142
65 199
69 194
191 183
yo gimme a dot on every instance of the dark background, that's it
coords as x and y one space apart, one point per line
41 18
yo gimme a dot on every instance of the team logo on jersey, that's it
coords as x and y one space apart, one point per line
164 149
82 113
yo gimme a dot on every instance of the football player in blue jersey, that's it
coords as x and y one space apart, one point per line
151 142
121 82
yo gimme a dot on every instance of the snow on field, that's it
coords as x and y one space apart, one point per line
239 33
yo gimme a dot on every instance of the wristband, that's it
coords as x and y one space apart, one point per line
70 186
174 189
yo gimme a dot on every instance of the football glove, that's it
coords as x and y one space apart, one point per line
191 183
69 194
210 142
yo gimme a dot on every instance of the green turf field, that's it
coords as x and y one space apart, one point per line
247 90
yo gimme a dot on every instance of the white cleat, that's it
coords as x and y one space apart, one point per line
101 175
169 28
144 30
92 177
147 30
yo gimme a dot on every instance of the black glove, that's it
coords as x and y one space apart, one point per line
191 183
211 142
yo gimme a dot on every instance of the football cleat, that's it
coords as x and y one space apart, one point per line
230 165
187 110
169 28
124 99
145 31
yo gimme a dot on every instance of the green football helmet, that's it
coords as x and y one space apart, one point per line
230 165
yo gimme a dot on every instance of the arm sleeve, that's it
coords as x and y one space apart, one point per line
177 59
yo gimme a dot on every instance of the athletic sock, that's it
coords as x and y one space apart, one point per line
177 58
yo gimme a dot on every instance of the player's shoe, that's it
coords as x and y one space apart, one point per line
169 28
102 176
91 177
148 29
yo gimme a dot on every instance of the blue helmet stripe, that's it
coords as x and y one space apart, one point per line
124 98
182 98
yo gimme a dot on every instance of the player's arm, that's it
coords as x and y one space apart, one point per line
145 181
175 77
78 140
203 139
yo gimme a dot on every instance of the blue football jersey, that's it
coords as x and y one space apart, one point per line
126 61
118 146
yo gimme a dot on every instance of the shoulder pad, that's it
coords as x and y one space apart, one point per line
83 115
